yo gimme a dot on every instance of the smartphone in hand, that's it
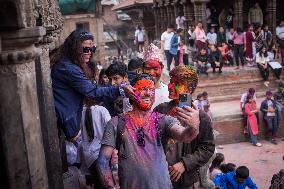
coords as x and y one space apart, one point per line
185 99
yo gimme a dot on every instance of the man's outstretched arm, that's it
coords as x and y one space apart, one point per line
103 166
188 117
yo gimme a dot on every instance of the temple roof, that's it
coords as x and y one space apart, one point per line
131 3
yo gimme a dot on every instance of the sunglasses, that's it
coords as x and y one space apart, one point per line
89 49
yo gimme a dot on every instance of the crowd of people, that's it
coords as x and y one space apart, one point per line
122 127
225 46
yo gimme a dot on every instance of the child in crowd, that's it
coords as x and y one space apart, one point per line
202 61
117 72
226 53
252 125
227 167
135 67
198 102
94 121
238 179
212 37
216 59
214 169
205 100
103 79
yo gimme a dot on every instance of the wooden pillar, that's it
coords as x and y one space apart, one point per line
164 22
157 21
271 14
238 14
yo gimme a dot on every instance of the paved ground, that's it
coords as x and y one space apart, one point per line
263 161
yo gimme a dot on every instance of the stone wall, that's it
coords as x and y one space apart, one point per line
28 131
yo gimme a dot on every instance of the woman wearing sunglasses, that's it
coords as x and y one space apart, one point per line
70 84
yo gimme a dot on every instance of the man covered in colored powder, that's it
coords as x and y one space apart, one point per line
153 65
140 136
185 159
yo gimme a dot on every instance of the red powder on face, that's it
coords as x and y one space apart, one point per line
144 85
154 68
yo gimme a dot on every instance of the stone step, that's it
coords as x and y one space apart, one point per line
235 96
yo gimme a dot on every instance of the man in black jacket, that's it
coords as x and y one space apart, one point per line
185 159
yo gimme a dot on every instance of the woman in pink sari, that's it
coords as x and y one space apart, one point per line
252 126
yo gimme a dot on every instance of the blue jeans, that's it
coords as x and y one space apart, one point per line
169 58
271 122
253 137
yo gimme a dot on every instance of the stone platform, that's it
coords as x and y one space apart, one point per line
225 91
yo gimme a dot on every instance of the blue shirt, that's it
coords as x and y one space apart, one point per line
174 45
228 181
70 87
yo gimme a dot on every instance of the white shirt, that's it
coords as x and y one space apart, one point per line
179 22
140 35
91 149
261 59
166 37
229 36
244 98
191 34
161 95
212 38
280 32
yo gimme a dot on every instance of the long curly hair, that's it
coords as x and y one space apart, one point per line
72 47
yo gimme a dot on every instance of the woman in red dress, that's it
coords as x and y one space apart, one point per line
250 38
252 126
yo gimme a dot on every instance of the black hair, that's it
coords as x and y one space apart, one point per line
139 27
171 26
72 45
134 64
204 93
239 30
101 75
231 167
226 168
242 172
141 77
217 161
199 96
179 30
249 97
117 68
263 54
89 119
